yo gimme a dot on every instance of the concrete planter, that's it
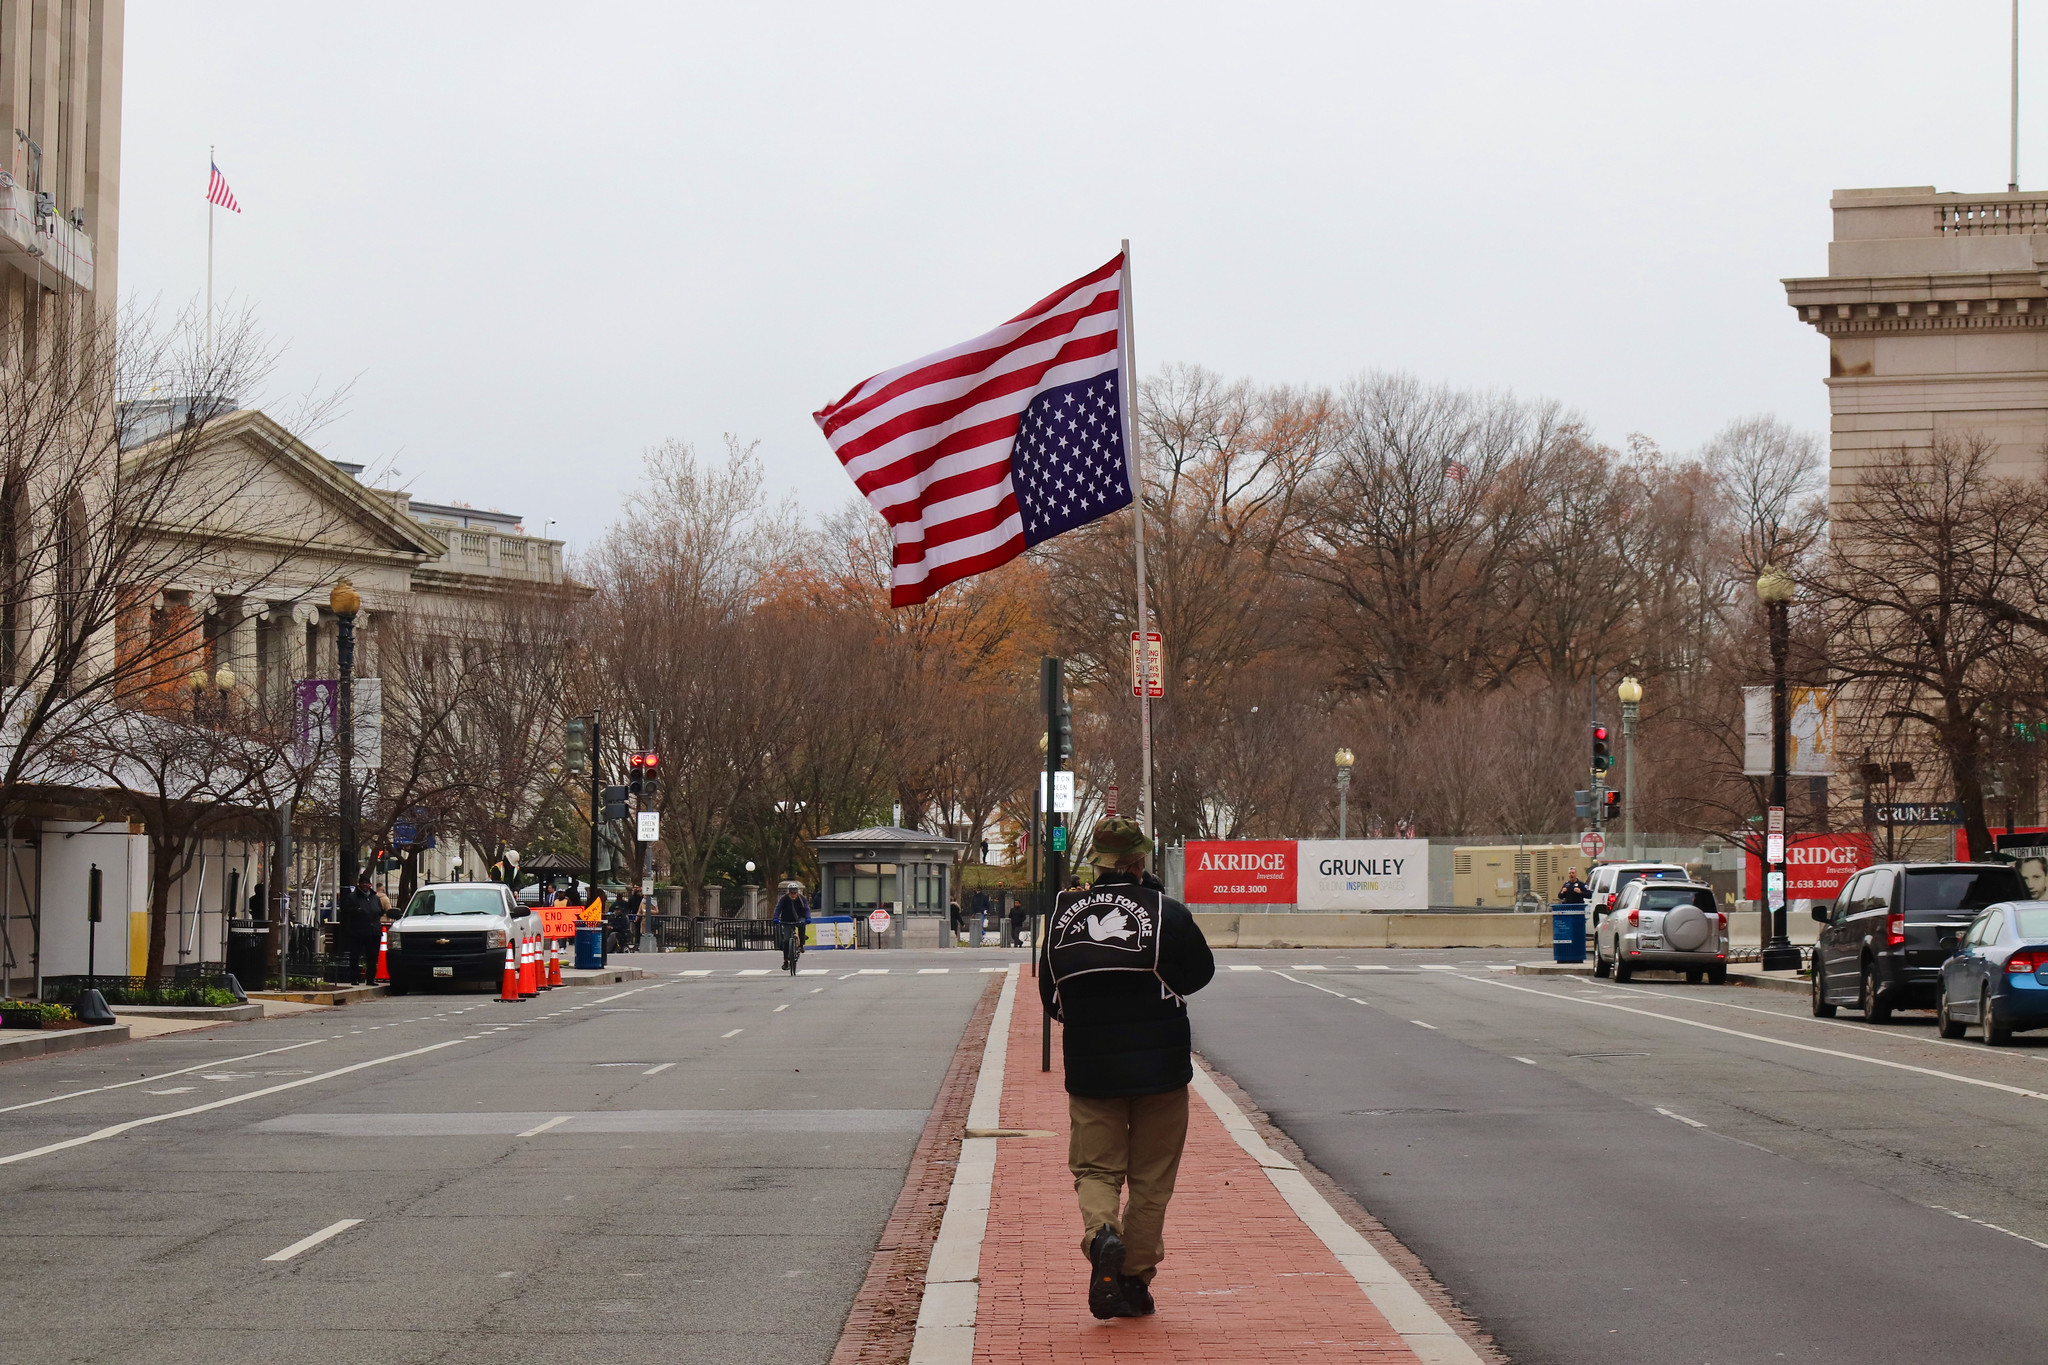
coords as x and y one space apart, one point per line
1297 930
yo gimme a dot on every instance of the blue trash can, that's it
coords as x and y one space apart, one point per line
590 947
1568 933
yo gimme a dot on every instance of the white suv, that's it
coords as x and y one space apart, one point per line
1610 880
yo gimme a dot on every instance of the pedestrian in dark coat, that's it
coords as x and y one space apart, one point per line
362 923
1128 1053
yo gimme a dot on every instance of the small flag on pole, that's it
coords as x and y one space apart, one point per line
978 452
217 191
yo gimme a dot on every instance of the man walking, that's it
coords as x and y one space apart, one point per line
1117 963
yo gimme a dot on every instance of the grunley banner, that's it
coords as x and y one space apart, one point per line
1311 874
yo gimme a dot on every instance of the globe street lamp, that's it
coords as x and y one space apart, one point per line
1345 758
1775 589
1631 694
345 603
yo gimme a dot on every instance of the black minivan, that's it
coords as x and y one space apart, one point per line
1883 940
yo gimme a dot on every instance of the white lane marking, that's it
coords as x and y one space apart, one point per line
161 1075
1418 1322
816 989
1525 1061
701 971
1891 1034
1235 967
1501 967
1374 967
873 971
1690 1123
115 1130
657 1070
778 1009
814 971
995 969
540 1128
174 1090
1314 987
1437 966
734 1034
752 971
1419 1024
1774 1042
954 1269
933 971
308 1243
1307 967
1993 1226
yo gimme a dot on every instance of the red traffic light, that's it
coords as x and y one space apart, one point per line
1599 734
653 761
636 761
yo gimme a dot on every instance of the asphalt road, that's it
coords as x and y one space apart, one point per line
692 1168
1660 1172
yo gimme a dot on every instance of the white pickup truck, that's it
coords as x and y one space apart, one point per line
457 931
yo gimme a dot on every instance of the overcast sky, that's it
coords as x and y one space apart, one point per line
540 238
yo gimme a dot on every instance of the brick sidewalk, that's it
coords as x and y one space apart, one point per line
1244 1278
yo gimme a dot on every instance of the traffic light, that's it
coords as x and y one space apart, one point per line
1613 803
1582 804
576 744
1063 731
1603 757
643 771
614 803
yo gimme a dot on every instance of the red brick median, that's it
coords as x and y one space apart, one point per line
1243 1280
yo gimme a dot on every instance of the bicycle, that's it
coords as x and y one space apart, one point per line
792 946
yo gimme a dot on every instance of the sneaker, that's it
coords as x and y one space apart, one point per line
1106 1277
1138 1295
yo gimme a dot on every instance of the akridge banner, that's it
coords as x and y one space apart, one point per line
1239 872
1362 874
1816 866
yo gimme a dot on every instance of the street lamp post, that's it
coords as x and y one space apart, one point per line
1774 587
1631 694
346 603
1345 758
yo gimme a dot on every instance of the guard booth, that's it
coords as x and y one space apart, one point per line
907 872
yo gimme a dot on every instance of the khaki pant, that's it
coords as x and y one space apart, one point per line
1138 1140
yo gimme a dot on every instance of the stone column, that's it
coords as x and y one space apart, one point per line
297 662
753 910
711 898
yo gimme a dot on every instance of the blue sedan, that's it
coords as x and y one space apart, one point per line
1998 978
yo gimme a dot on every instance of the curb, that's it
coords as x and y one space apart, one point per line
37 1043
1788 985
224 1014
339 996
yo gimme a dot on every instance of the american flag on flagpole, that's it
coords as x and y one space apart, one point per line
217 191
976 453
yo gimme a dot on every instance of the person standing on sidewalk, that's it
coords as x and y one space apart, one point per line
362 918
1115 969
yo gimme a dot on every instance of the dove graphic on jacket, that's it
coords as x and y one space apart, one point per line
1112 925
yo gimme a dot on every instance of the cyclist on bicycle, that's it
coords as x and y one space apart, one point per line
792 913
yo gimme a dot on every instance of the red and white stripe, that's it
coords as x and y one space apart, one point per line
928 443
217 191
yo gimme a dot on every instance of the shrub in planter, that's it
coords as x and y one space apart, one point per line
32 1014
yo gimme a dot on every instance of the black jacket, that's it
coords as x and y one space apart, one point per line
1120 1037
360 912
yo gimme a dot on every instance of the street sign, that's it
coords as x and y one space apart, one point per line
1059 838
1109 801
404 833
879 921
647 886
1774 888
1151 665
650 826
1592 843
1774 840
1063 793
1912 813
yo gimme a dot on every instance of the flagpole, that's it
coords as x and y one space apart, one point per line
209 262
1129 404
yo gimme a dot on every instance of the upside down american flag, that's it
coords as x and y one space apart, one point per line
976 453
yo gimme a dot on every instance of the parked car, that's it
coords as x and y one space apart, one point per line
1884 939
1611 879
456 931
1674 925
1998 978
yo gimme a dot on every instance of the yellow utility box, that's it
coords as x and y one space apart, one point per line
1495 875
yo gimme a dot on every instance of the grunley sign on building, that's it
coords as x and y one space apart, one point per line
1311 874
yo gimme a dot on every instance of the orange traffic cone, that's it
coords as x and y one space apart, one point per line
541 952
527 990
554 963
509 989
383 951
